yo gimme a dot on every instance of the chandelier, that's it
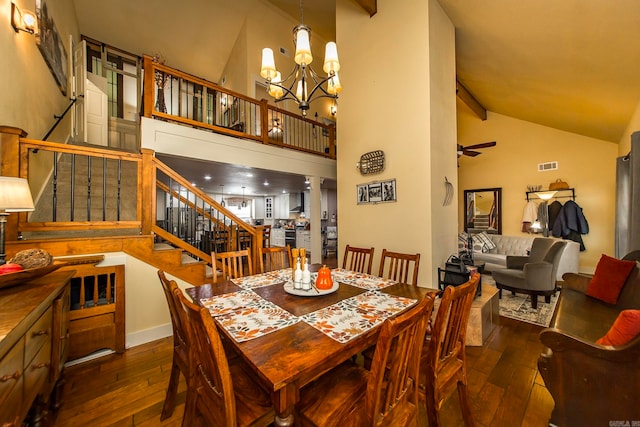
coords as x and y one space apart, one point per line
296 85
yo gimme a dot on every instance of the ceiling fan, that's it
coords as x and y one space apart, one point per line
468 150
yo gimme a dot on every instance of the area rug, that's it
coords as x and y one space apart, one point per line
518 306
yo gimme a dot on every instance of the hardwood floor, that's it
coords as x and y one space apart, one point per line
129 389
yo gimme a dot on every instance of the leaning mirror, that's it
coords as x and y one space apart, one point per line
483 210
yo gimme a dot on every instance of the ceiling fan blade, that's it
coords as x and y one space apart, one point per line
483 145
470 153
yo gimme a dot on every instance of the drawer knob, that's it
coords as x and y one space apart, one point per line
41 365
14 376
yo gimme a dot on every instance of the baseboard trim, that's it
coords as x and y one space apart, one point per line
148 335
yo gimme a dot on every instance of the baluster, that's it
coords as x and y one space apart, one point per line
88 188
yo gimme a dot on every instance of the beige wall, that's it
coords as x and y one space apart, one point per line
30 95
389 96
587 164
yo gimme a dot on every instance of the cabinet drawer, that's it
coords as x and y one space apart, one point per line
37 372
11 380
38 335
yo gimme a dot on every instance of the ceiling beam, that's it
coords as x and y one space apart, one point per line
371 6
466 97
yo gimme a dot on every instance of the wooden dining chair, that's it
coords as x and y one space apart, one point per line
358 259
351 395
400 267
443 365
275 258
180 362
219 393
234 264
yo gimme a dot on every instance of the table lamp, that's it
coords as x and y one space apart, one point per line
15 196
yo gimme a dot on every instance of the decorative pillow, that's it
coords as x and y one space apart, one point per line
462 241
482 242
625 328
609 278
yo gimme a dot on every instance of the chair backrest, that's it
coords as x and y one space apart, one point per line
393 381
396 266
234 264
539 247
180 342
275 258
358 259
209 387
553 257
449 330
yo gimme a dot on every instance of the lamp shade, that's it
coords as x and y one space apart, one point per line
303 46
268 70
333 85
276 91
331 62
15 195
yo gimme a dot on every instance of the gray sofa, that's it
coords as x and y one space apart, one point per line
520 245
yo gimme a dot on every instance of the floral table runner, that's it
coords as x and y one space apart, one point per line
349 318
361 280
246 315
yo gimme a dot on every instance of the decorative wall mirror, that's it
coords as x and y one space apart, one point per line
483 210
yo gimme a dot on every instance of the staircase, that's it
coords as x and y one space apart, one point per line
110 202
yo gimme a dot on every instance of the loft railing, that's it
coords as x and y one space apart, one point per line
80 188
170 94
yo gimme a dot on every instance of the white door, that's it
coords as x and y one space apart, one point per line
79 78
96 110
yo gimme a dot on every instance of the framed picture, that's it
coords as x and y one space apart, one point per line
376 192
363 194
51 46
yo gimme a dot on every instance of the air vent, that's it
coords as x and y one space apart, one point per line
549 166
285 52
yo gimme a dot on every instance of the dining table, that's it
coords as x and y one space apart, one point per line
289 337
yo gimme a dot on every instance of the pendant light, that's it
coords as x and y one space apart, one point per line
303 83
244 203
222 202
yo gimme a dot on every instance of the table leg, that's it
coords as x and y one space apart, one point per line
284 401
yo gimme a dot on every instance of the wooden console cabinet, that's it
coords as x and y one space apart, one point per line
34 331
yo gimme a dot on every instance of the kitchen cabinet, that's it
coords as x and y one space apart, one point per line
268 207
281 206
278 237
303 239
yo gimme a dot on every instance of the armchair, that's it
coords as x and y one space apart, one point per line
535 278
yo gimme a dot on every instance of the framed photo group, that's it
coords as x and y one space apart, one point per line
376 192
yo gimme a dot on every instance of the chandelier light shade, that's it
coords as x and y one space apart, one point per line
303 84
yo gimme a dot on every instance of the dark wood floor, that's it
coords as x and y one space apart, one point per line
129 389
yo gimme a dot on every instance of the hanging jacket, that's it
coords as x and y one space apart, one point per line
529 215
571 223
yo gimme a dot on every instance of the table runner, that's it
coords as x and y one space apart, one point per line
347 319
361 280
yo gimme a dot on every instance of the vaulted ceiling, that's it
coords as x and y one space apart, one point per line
571 64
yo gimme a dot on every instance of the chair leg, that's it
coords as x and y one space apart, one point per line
465 404
534 301
547 299
172 391
500 293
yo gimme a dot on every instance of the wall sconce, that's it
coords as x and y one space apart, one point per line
545 195
23 20
333 109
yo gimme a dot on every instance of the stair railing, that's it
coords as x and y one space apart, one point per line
79 188
173 95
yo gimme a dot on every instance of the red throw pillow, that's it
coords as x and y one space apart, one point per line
625 328
609 278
